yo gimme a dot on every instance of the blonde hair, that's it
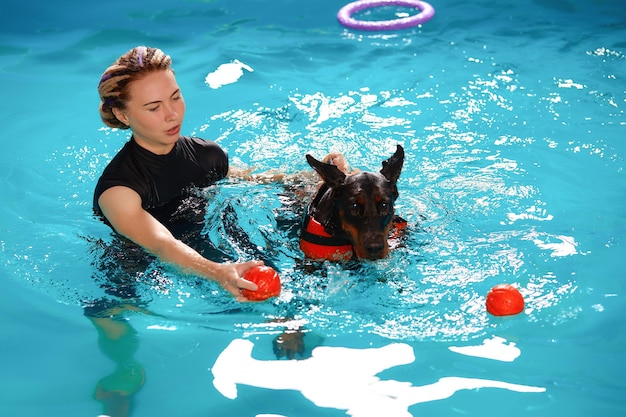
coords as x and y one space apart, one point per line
114 86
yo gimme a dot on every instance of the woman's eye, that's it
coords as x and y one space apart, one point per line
153 108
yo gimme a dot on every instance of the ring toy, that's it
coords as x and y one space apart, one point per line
345 14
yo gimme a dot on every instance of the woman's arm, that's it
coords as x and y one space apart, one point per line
122 207
333 158
267 177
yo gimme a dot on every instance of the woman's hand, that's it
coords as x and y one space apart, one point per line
339 160
231 278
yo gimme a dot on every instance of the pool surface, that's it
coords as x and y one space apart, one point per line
512 117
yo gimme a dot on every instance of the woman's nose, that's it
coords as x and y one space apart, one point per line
170 112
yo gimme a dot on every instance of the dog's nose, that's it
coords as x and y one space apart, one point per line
375 247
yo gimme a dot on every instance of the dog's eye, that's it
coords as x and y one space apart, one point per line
355 209
383 207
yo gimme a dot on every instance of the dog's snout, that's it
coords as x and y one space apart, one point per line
375 246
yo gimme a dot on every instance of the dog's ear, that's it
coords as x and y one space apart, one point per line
392 167
331 175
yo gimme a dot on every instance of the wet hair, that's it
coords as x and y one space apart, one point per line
114 86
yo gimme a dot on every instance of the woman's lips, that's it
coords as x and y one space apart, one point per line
173 131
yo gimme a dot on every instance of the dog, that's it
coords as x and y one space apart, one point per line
352 214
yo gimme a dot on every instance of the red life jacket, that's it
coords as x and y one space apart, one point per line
317 244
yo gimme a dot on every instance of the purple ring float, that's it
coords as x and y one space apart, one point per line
345 14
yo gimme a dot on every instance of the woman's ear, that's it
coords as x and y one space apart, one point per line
120 115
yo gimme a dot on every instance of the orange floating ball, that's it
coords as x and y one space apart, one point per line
504 300
266 279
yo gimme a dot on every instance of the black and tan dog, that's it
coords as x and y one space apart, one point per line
352 214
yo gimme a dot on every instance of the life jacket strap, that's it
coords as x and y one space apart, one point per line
316 243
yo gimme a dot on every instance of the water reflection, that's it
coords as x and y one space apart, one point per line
346 379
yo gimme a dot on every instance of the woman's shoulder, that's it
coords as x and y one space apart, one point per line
197 142
198 146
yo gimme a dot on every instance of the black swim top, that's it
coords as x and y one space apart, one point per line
163 181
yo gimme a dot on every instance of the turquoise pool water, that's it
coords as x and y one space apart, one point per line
512 118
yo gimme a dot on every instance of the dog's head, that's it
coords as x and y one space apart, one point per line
363 203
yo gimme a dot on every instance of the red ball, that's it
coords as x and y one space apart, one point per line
504 300
267 281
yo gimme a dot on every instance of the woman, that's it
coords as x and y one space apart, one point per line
142 187
146 194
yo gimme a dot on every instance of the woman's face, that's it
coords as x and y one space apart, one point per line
155 111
